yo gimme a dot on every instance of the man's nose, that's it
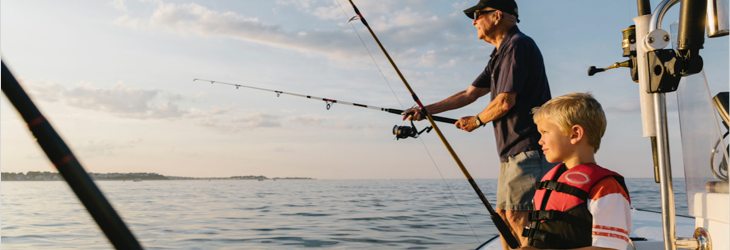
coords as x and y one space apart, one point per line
474 22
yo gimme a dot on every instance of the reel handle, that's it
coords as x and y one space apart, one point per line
593 70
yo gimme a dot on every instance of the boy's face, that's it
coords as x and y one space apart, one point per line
555 144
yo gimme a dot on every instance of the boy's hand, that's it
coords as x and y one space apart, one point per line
467 123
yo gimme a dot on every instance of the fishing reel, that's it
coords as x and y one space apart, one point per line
403 132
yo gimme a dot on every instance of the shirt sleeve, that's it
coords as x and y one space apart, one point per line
484 80
513 68
609 204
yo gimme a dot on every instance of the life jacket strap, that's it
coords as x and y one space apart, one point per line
561 216
541 236
563 188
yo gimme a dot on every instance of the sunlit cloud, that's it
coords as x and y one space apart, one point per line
413 37
191 18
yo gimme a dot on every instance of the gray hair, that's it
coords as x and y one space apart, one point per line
509 18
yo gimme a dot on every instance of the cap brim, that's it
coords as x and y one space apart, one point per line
470 11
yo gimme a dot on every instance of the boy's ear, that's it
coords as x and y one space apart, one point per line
576 134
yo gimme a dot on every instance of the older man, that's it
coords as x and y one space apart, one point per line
515 75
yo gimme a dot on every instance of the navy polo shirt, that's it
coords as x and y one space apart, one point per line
517 66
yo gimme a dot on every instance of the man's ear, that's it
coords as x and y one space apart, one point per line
576 134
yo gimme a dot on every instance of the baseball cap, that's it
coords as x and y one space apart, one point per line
506 6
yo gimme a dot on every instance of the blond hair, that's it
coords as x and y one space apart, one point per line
575 109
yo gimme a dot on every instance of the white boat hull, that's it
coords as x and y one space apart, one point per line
647 225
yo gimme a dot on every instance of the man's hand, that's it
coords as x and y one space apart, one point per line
413 114
467 123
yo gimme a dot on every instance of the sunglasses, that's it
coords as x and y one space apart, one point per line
478 13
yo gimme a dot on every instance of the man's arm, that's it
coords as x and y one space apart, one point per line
499 107
455 101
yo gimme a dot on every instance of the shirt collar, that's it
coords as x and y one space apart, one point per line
507 37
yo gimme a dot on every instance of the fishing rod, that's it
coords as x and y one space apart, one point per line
400 132
503 228
68 166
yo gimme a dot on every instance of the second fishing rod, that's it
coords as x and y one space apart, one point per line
503 228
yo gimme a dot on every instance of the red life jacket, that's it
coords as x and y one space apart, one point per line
561 218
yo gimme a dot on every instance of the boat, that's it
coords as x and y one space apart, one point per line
652 230
137 180
704 149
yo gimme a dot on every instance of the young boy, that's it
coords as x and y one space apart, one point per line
578 204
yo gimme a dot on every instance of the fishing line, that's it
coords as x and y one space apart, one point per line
371 56
401 105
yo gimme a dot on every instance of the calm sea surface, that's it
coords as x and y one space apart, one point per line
236 214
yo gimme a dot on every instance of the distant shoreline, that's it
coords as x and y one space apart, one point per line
54 176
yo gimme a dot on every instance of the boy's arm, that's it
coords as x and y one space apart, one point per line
610 206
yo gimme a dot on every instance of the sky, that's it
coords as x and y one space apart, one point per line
115 79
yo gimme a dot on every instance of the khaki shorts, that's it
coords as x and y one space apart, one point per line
517 177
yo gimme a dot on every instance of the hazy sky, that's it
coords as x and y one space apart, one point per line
115 78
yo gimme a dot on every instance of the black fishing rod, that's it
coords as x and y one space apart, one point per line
401 132
503 228
68 166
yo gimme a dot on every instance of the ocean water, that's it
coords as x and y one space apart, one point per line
284 214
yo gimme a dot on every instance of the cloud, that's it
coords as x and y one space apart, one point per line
93 148
175 97
214 111
320 123
118 4
186 19
308 121
282 149
129 102
44 90
413 36
251 121
215 125
259 120
119 99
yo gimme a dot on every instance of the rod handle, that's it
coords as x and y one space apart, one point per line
435 118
